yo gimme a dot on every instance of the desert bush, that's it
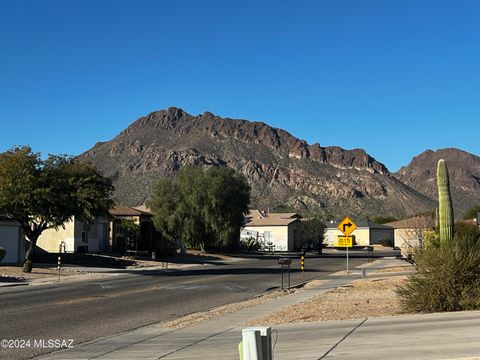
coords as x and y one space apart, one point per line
3 252
249 244
470 231
447 278
431 239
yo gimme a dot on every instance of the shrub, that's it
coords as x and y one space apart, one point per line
469 231
431 239
3 252
164 247
249 244
447 278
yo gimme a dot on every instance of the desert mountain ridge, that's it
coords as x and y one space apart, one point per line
284 171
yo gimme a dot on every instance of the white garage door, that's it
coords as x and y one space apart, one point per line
9 237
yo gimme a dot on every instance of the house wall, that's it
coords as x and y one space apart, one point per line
377 235
294 237
50 239
12 240
97 238
407 239
279 234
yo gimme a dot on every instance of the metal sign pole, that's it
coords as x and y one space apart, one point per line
288 277
347 259
282 276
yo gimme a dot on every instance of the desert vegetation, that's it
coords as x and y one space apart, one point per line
448 265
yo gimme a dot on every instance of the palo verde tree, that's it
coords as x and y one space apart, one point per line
226 202
45 194
201 209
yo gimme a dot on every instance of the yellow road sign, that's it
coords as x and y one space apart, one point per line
344 241
347 226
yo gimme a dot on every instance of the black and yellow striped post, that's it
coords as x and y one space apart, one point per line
59 266
302 266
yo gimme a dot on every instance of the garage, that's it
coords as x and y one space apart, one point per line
11 240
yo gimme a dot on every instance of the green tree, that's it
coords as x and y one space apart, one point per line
43 194
132 233
383 219
469 232
202 209
311 230
191 207
472 213
227 200
164 206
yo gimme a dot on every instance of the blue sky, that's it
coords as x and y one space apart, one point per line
392 77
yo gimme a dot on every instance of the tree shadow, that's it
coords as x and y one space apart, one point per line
12 279
222 271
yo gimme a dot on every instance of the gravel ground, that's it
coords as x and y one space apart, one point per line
364 298
221 311
15 272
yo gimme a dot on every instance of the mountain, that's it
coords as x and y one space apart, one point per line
284 172
464 174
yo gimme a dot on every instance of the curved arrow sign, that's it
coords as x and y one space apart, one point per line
347 226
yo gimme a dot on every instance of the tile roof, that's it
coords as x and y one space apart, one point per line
120 210
413 223
258 218
144 209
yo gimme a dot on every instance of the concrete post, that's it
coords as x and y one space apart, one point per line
252 344
264 342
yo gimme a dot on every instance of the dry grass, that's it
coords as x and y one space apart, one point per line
363 298
314 283
403 268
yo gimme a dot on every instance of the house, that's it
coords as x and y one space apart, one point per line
77 236
274 231
409 232
139 215
367 233
11 238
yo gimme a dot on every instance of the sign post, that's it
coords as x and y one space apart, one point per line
347 226
285 262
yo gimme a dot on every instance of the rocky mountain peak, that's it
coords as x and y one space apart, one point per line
464 173
282 169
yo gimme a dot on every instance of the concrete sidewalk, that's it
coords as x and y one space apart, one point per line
218 338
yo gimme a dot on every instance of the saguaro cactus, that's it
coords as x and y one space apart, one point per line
445 208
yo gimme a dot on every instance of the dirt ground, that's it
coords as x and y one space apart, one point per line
220 311
15 272
363 298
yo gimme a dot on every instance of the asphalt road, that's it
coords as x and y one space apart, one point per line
84 311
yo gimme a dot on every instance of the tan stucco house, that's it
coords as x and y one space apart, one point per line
367 233
409 233
274 231
77 236
141 216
